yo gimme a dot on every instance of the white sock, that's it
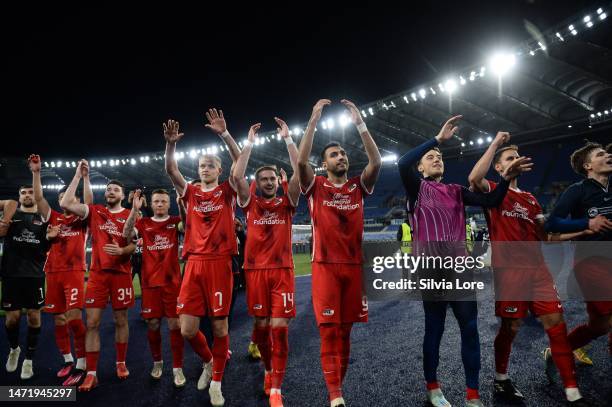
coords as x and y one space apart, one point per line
68 358
15 349
435 392
572 394
176 369
27 361
275 391
501 376
81 363
215 385
92 372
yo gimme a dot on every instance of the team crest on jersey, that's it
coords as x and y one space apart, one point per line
511 310
593 212
352 187
218 194
328 312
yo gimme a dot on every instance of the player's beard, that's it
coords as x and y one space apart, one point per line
339 173
28 204
112 201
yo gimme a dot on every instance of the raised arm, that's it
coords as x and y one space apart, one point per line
293 187
237 176
88 197
372 170
41 203
476 179
181 209
172 136
68 202
216 122
305 172
8 207
128 228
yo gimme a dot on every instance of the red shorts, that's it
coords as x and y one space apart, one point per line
270 292
206 288
65 291
518 309
158 302
103 285
337 293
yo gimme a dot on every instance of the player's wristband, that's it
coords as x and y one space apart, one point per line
362 128
225 134
288 140
248 143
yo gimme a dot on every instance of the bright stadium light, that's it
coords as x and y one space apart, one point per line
104 162
406 99
602 16
330 123
542 46
501 63
433 91
413 96
133 162
371 111
451 86
471 143
193 154
46 164
59 164
480 140
422 93
586 19
324 125
560 36
74 164
297 130
599 10
482 71
489 139
462 80
213 149
462 144
344 120
589 24
389 158
98 164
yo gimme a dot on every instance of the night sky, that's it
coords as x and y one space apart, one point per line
78 82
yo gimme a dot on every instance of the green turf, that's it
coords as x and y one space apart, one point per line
302 264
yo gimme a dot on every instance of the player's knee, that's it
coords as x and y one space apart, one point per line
261 322
93 323
12 319
73 314
34 318
153 324
60 319
121 319
188 332
173 323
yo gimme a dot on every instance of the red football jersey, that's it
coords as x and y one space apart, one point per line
268 243
209 229
67 251
515 220
337 220
106 227
160 241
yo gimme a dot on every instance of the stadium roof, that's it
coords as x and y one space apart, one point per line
556 84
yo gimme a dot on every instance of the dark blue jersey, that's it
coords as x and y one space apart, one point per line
581 202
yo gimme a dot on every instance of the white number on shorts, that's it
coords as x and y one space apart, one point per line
220 295
124 292
287 297
364 304
73 294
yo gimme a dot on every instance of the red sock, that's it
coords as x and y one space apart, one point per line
330 360
219 352
472 394
155 344
264 343
280 351
433 386
177 345
121 348
62 338
344 347
580 336
78 332
199 345
92 361
562 354
503 346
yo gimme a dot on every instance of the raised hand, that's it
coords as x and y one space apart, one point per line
84 168
53 231
138 200
448 129
34 162
283 176
253 132
502 137
318 108
518 166
283 129
171 131
216 121
355 114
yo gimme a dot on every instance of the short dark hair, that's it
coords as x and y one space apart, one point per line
26 186
116 182
77 193
499 152
609 148
329 145
581 156
160 191
433 148
266 168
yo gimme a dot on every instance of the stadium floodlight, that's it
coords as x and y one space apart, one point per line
586 19
592 115
413 96
59 164
406 99
112 163
599 114
46 164
462 80
542 46
451 85
532 52
344 120
440 86
213 149
599 10
606 112
482 71
501 63
603 16
560 36
390 157
104 162
422 93
489 139
98 164
67 164
462 144
133 162
324 125
589 24
74 164
252 176
433 91
371 111
297 130
330 123
52 164
471 143
569 126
